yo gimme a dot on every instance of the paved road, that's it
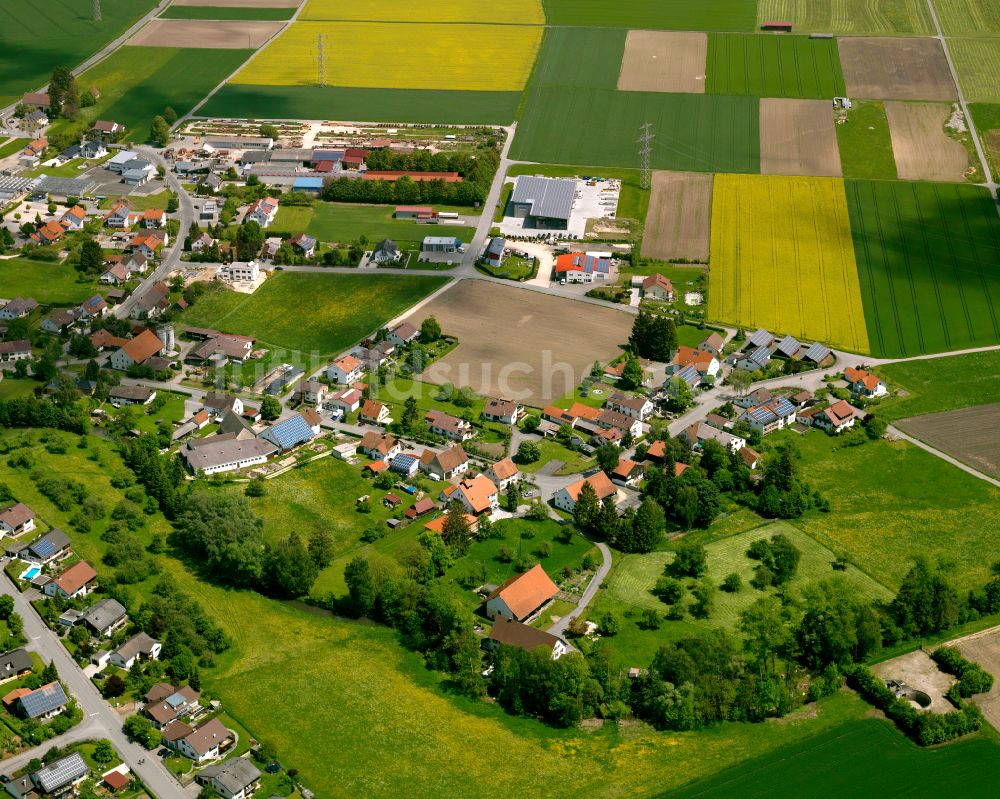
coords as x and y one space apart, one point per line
560 627
87 730
938 453
100 719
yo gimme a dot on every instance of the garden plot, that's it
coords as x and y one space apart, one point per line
896 69
209 34
664 61
678 222
798 137
922 149
971 435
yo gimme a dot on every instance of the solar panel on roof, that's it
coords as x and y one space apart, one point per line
62 772
44 700
44 547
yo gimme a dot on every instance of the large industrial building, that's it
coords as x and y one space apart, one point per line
543 203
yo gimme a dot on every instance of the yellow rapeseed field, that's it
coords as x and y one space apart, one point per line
374 55
516 12
782 258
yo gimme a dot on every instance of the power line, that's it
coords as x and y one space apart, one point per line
97 10
321 48
645 141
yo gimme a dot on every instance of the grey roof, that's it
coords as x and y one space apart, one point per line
232 422
761 338
70 187
761 355
212 452
131 393
138 644
290 433
44 700
548 197
61 772
234 775
789 346
104 614
496 246
14 662
20 787
817 353
387 246
53 541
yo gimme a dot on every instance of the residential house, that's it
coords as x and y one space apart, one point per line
153 302
43 703
502 411
565 498
440 244
104 618
657 287
706 364
753 359
479 495
751 458
36 146
137 264
154 218
445 465
757 397
14 664
115 275
303 245
74 218
583 267
774 414
48 548
59 778
75 581
121 215
420 508
58 320
18 308
837 418
494 252
236 778
36 100
49 233
374 357
131 395
93 149
262 212
94 308
218 403
164 703
405 465
631 406
345 401
386 252
448 426
311 392
202 242
573 416
294 431
36 119
223 348
789 347
136 350
147 242
713 343
627 473
108 128
103 340
239 272
512 633
610 419
374 412
206 742
138 648
12 351
345 370
701 431
379 446
402 334
864 383
503 473
522 596
16 520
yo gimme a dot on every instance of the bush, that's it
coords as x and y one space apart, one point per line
732 583
972 678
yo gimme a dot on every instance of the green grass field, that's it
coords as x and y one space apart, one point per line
311 312
968 17
46 282
137 83
762 65
926 259
11 146
855 17
865 144
343 223
13 388
35 40
685 15
226 12
977 62
941 384
987 119
374 105
860 758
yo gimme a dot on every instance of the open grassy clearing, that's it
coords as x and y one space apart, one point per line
311 313
664 61
972 435
987 119
678 223
968 17
13 388
922 149
46 282
856 17
685 15
866 757
763 65
941 384
926 255
896 69
370 105
782 258
345 223
515 12
797 137
977 62
865 142
137 83
209 34
892 501
35 39
425 56
11 146
175 11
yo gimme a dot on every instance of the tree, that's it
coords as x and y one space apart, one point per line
513 496
607 456
704 598
64 97
140 730
169 115
360 585
249 240
679 394
322 548
270 408
740 380
291 570
15 625
224 534
632 374
455 531
587 507
646 529
113 686
527 452
159 131
690 560
430 330
104 752
875 426
6 606
91 258
268 131
49 673
766 634
686 506
410 416
530 423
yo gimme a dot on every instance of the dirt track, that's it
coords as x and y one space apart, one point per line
678 222
896 69
971 435
798 137
923 150
521 344
206 33
664 61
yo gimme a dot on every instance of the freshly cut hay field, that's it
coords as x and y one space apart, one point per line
968 17
977 62
684 15
678 222
782 258
664 61
855 17
226 12
423 56
206 33
896 69
923 150
763 65
971 435
797 137
518 343
865 142
927 259
512 12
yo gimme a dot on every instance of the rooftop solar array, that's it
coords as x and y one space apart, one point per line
44 700
62 772
289 433
817 353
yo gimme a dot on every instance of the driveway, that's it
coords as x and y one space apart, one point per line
560 627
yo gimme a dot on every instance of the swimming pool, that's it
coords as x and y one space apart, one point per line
30 573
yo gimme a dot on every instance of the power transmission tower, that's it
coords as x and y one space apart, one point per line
645 140
97 10
321 51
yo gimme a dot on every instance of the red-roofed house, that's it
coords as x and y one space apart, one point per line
136 350
522 596
657 287
77 580
565 498
74 218
864 384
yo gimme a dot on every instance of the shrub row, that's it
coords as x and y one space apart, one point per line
972 678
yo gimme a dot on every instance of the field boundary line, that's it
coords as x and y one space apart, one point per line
943 456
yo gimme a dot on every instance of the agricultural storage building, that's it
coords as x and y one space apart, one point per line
543 202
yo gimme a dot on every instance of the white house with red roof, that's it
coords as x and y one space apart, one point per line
345 370
864 383
522 596
657 287
565 498
74 218
262 211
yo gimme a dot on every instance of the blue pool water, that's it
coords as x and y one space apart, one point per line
30 573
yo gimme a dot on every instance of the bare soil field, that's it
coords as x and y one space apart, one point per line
923 150
520 344
798 137
971 435
984 649
918 671
664 61
208 33
678 222
895 69
250 3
